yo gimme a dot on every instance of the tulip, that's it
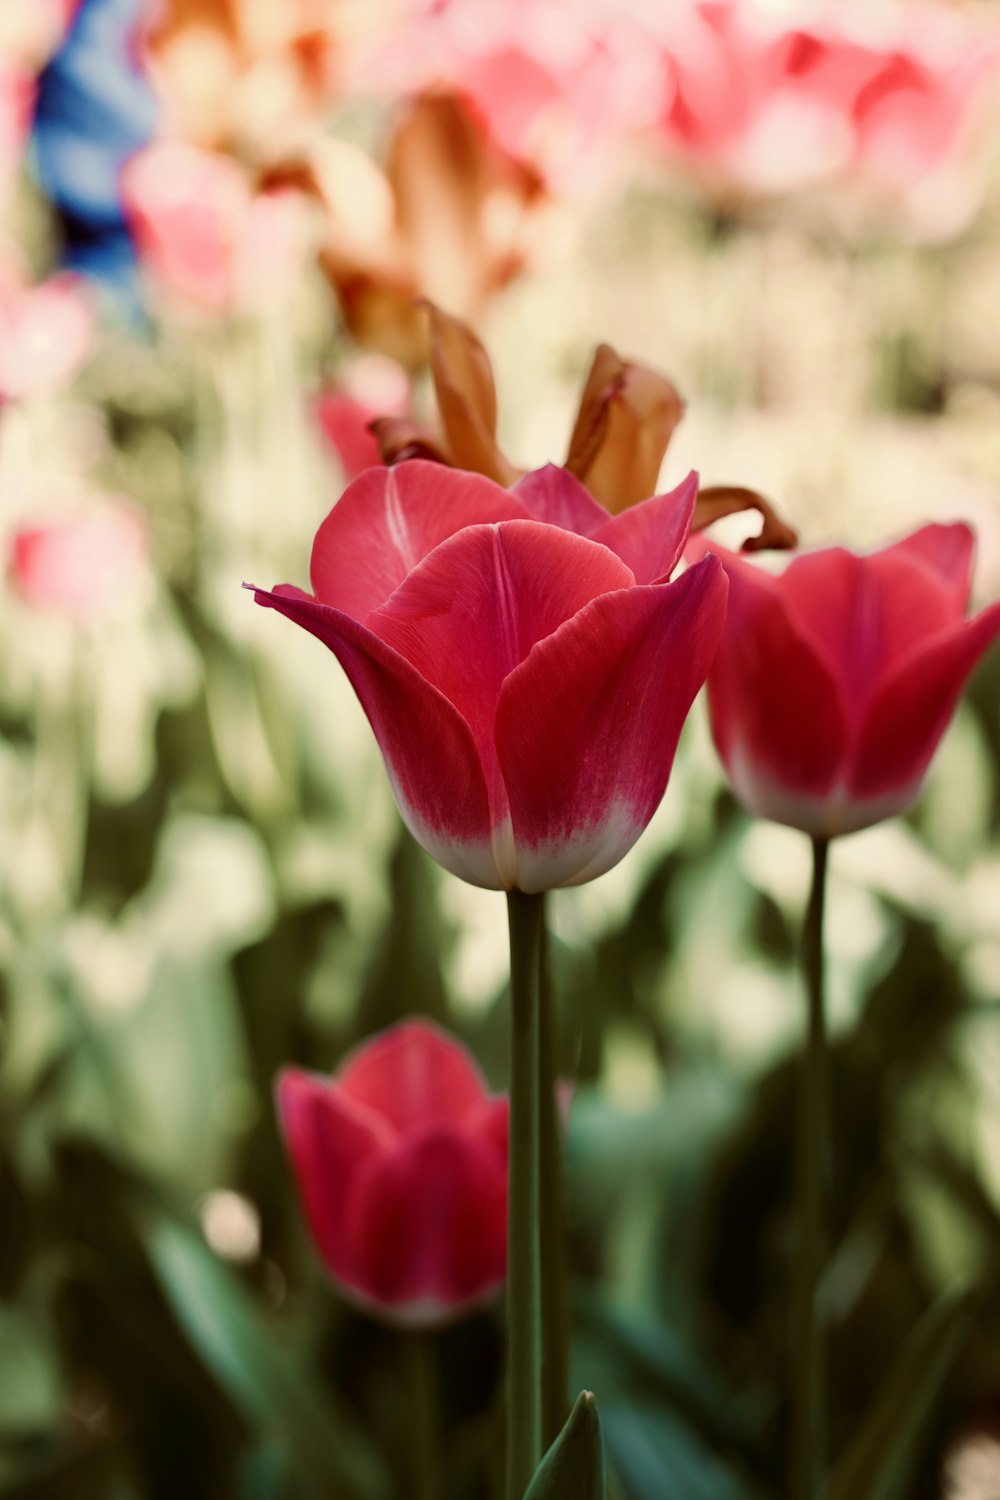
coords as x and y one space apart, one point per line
83 565
836 680
523 661
212 243
401 1160
46 332
626 418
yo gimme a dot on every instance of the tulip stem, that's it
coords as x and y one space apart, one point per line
812 1161
526 914
424 1459
555 1272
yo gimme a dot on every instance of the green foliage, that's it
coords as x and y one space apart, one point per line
573 1468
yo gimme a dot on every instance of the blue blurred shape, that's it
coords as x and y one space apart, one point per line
95 108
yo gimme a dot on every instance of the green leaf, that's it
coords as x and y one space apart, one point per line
657 1456
886 1453
277 1396
573 1468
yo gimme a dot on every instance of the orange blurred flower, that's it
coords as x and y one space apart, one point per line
452 217
246 74
626 418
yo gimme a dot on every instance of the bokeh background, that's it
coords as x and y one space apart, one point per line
217 216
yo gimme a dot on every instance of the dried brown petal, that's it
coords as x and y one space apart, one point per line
626 419
466 398
718 500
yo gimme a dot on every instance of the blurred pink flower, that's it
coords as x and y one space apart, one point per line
17 100
374 387
556 87
46 331
755 106
83 565
401 1160
214 244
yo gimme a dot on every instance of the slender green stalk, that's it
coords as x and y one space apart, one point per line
526 915
808 1375
555 1262
423 1413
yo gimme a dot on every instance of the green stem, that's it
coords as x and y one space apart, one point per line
813 1145
424 1415
526 915
555 1267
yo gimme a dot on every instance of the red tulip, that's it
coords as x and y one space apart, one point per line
522 659
836 680
401 1159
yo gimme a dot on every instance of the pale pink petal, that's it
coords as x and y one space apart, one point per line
414 1075
427 747
387 520
587 726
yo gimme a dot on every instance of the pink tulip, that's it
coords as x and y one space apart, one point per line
401 1159
523 661
46 332
83 565
212 242
836 680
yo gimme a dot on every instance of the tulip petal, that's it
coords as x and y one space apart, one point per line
429 753
555 495
650 537
475 607
779 717
414 1075
587 726
948 551
466 398
428 1221
387 520
330 1140
912 708
866 611
490 1122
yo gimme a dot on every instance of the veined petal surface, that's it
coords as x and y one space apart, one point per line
587 726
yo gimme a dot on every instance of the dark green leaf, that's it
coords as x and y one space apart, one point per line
277 1396
573 1468
884 1457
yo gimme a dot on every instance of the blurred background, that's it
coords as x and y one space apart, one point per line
217 218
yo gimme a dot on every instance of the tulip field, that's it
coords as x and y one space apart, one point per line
499 750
